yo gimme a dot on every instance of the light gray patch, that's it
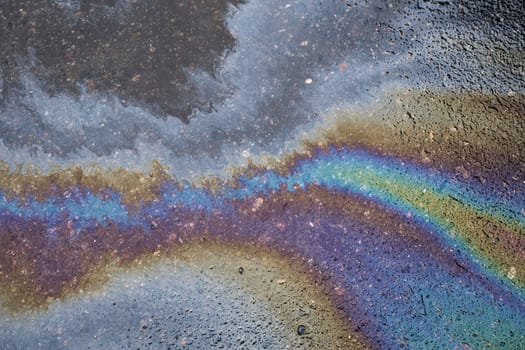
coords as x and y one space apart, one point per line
1 85
71 6
115 9
169 306
262 83
292 62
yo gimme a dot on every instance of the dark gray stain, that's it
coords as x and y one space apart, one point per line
138 50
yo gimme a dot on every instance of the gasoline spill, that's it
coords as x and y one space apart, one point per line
249 174
376 230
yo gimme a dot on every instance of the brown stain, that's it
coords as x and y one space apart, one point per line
471 134
134 186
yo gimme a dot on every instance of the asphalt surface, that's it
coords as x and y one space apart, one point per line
207 86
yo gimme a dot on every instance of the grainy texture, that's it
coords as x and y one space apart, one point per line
262 174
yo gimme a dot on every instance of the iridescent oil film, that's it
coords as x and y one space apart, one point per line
249 174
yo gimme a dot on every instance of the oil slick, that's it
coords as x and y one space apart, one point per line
393 234
353 191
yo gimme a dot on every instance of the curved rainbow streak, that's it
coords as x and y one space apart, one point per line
351 169
433 199
387 181
430 197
